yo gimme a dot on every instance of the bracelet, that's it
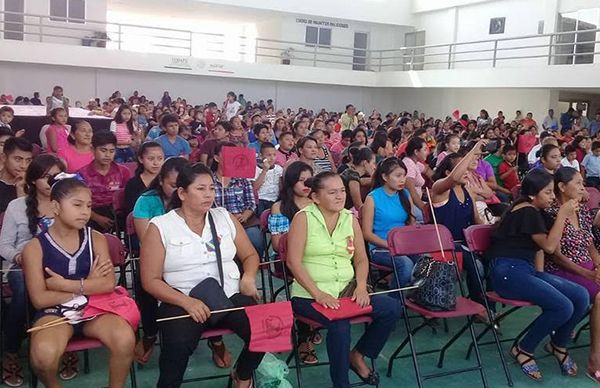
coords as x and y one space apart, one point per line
81 286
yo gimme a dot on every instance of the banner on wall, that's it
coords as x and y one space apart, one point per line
322 23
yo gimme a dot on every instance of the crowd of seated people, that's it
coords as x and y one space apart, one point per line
348 176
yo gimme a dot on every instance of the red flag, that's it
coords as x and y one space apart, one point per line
348 309
117 302
271 327
238 162
456 114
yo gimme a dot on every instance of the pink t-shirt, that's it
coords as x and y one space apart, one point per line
74 159
62 135
121 133
414 171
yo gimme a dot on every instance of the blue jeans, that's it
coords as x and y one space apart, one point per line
563 303
256 238
14 326
386 312
404 266
124 155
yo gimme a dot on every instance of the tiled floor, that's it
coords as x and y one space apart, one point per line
201 364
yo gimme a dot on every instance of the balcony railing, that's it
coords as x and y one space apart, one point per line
560 48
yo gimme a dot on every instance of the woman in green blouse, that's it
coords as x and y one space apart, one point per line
324 259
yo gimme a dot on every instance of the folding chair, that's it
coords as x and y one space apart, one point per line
515 191
131 166
422 239
478 239
264 228
594 198
118 205
278 270
117 255
133 253
315 325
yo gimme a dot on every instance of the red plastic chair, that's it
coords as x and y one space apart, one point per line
131 166
515 191
419 240
118 255
594 198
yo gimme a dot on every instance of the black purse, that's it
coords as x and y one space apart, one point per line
437 284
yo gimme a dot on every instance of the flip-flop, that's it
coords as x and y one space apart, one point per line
594 376
220 355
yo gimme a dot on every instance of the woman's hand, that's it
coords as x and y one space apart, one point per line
55 282
569 208
248 287
198 311
327 301
100 268
361 297
596 278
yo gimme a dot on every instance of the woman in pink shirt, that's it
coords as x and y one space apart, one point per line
57 133
78 151
414 159
125 130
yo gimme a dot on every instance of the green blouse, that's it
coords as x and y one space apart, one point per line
327 258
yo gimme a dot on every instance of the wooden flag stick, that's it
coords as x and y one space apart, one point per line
437 230
56 322
394 290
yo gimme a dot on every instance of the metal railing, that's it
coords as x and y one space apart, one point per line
572 47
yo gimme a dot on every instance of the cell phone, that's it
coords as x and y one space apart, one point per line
491 147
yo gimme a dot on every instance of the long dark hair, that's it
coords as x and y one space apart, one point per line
119 119
141 152
446 165
386 167
532 184
39 167
563 175
291 177
186 176
170 165
414 144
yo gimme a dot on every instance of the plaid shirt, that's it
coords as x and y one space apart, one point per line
278 224
236 197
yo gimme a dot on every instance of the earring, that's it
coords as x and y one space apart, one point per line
531 197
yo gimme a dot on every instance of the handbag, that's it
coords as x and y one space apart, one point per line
437 289
348 291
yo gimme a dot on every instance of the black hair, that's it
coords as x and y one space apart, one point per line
346 133
413 145
168 118
74 128
141 152
292 175
39 166
316 183
119 119
570 148
266 145
403 121
215 165
6 132
304 140
508 147
564 175
419 132
446 165
532 184
356 131
171 164
380 140
17 143
186 176
349 106
360 155
386 167
100 139
62 188
7 109
443 145
225 124
546 149
258 127
595 145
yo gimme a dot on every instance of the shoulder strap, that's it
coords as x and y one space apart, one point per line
213 231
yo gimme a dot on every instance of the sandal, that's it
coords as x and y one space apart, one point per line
236 380
221 357
69 369
531 370
371 379
12 371
594 376
144 349
307 353
565 362
316 338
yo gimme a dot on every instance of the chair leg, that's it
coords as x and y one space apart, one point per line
456 336
132 375
86 362
582 328
477 354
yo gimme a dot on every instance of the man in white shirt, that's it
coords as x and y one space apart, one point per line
550 123
231 107
57 100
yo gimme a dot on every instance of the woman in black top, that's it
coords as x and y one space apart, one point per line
517 273
150 159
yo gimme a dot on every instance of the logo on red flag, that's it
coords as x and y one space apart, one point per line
238 162
270 327
117 302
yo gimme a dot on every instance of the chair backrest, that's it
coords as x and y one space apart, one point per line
119 200
427 218
418 239
129 225
116 249
594 198
264 220
131 166
283 247
479 237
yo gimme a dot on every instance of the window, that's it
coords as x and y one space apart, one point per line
72 11
317 35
